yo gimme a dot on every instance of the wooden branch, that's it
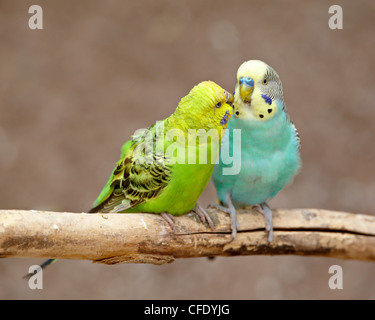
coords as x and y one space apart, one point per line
147 238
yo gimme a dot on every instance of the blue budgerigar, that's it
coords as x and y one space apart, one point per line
268 147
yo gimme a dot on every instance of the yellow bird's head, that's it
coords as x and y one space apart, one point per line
207 106
258 92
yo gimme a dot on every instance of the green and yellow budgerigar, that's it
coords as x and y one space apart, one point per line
165 168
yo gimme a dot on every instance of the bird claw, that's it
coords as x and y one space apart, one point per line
203 215
233 216
264 209
169 218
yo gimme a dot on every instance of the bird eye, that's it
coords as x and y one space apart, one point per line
265 81
218 105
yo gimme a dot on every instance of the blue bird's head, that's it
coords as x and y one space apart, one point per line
259 94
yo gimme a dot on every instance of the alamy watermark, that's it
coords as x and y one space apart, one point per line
196 146
336 280
334 22
35 281
336 19
36 20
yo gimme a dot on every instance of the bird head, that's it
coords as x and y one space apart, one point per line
207 106
258 93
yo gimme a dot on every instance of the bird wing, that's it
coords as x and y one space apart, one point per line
134 180
296 134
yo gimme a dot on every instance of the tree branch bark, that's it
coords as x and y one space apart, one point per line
147 238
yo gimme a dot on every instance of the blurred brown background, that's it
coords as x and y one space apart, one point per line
73 93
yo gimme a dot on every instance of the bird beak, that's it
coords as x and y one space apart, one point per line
228 97
246 88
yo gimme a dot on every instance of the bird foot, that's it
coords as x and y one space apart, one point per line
233 216
169 218
264 209
203 215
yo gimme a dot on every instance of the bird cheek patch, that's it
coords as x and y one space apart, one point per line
267 99
225 119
